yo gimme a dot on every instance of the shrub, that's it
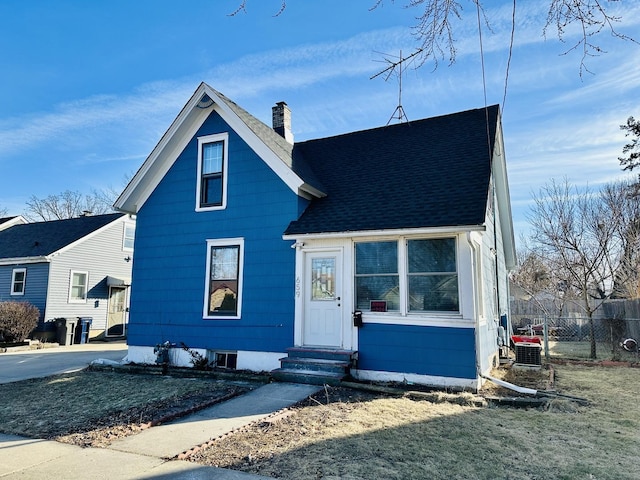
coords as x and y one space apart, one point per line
17 320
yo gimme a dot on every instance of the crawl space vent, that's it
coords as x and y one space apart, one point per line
528 354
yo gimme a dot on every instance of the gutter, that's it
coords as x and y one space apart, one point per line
24 260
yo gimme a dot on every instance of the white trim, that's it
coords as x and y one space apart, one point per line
224 242
13 281
429 380
86 286
218 137
24 260
454 230
420 320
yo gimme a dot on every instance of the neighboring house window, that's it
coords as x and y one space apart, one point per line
78 288
128 236
212 172
18 281
224 278
407 276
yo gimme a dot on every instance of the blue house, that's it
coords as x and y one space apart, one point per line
390 245
75 268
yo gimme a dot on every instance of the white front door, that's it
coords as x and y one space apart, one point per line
322 310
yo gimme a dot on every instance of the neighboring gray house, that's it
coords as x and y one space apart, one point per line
75 268
7 222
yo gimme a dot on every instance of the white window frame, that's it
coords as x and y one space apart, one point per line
86 286
13 281
218 137
403 284
225 242
132 226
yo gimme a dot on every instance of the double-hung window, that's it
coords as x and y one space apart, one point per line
212 172
128 236
78 287
407 276
18 281
223 288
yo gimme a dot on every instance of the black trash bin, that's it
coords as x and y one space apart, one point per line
65 330
82 331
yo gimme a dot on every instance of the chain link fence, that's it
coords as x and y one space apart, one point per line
574 337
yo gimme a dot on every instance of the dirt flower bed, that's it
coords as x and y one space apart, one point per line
91 409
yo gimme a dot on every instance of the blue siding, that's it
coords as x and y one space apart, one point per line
35 291
438 351
169 269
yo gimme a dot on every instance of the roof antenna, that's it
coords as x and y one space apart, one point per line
399 112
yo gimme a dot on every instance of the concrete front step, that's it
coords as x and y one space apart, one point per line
315 364
322 353
311 377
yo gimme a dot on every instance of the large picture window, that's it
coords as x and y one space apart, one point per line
212 171
407 276
18 281
224 278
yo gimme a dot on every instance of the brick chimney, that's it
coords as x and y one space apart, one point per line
281 118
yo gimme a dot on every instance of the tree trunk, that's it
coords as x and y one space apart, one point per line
592 335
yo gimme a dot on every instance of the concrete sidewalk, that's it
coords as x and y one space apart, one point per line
146 455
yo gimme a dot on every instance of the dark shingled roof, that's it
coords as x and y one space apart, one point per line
44 238
427 173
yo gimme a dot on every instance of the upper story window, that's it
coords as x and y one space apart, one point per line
18 281
78 287
128 236
407 276
224 278
212 172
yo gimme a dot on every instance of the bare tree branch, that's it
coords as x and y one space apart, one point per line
67 204
591 17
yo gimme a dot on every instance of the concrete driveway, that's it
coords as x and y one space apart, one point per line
25 364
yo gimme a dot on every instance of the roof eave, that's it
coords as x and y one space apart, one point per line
24 260
445 230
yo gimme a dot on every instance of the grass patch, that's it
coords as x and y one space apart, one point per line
582 351
89 408
349 434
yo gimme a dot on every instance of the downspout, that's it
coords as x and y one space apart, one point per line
511 386
476 322
495 245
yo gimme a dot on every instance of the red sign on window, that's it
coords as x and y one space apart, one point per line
378 305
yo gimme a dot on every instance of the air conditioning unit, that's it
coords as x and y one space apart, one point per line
528 354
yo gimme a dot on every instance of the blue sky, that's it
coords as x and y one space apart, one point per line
89 87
